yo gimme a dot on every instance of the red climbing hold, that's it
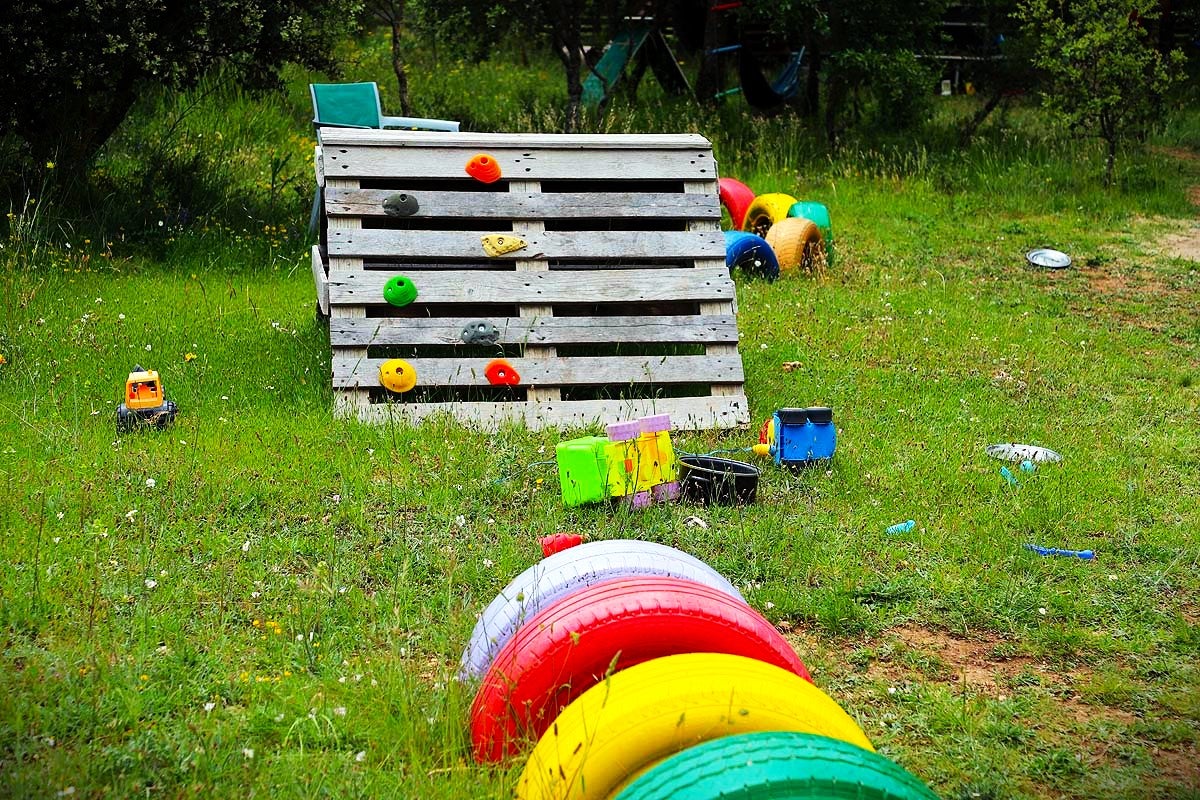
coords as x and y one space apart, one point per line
501 373
483 168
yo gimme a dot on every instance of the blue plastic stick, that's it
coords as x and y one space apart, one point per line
902 527
1087 555
1008 476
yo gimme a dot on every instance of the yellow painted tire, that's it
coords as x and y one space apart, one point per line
797 244
641 715
766 210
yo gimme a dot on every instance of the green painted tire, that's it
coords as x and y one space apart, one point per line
777 766
818 214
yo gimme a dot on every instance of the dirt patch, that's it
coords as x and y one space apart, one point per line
1182 153
1194 195
981 663
1185 243
1179 767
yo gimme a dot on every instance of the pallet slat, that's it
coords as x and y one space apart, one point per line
547 244
533 164
352 137
558 286
687 413
525 205
694 329
350 371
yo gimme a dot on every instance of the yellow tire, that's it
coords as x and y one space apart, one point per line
641 715
766 210
797 244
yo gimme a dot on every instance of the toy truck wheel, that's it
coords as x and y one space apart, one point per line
124 419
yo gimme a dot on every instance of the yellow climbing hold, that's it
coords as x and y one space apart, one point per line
497 244
397 375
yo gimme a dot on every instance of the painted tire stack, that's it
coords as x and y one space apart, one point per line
642 673
774 232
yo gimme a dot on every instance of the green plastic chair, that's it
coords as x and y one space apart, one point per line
356 105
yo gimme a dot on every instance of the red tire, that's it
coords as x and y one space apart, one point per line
577 641
736 197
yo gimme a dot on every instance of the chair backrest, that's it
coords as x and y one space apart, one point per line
349 105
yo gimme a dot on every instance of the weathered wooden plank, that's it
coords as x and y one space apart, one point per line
350 400
539 244
546 330
351 370
320 280
558 286
527 205
687 413
532 164
705 189
525 227
349 137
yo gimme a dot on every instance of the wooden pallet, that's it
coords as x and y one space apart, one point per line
619 306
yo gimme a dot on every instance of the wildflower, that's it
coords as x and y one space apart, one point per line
340 711
209 707
248 752
60 515
246 546
1042 611
150 483
360 756
151 583
121 317
130 514
148 348
50 165
144 677
488 563
189 357
3 360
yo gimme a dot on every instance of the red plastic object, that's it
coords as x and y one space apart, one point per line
484 168
501 373
575 642
736 197
764 433
557 542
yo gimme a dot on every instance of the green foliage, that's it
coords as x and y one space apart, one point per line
82 66
1104 76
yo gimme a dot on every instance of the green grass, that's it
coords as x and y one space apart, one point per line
315 580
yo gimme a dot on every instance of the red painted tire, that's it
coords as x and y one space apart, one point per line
736 197
579 640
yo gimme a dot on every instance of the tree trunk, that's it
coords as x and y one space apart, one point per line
968 132
812 81
397 21
835 95
1110 161
566 39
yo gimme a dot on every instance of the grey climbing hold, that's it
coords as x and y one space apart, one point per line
400 204
480 331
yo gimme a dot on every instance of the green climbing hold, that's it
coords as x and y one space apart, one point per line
400 204
400 291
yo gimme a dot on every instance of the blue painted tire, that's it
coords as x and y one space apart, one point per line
750 253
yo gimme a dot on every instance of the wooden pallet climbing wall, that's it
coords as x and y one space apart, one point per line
619 305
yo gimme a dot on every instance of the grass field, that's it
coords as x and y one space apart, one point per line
265 601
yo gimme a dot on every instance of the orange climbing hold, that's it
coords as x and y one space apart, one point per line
484 168
501 373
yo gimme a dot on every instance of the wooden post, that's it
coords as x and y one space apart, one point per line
349 402
534 394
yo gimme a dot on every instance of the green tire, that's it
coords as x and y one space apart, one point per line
777 766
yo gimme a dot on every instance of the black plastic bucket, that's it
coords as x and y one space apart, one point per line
707 480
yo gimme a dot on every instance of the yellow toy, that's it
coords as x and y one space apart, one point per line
144 402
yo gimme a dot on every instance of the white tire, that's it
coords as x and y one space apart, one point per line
567 571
